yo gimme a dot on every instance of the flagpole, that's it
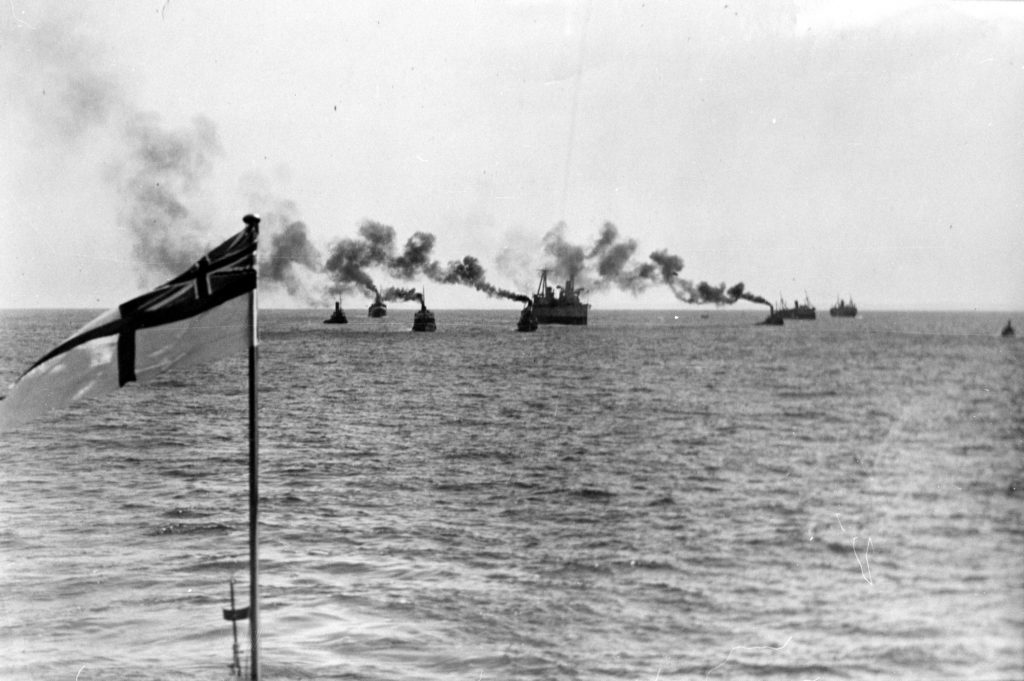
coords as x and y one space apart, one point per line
254 495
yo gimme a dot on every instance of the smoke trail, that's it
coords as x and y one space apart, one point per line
402 294
55 73
569 258
669 265
609 234
469 272
737 293
613 263
349 258
290 248
59 82
162 171
415 257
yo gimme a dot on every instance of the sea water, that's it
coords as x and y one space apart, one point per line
657 495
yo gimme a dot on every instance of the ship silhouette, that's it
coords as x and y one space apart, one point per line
563 308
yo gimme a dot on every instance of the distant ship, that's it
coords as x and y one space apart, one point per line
338 316
843 309
378 308
565 308
527 319
773 318
798 311
1007 331
424 318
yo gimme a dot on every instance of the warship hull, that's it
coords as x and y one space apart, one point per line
561 314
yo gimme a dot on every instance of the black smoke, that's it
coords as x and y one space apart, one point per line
290 251
349 259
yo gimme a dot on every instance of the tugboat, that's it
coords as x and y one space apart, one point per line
527 320
798 311
338 316
424 319
1008 331
843 309
566 308
378 308
773 318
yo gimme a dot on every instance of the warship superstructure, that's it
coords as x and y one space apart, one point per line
563 308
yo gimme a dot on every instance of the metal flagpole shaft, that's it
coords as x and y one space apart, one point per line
254 495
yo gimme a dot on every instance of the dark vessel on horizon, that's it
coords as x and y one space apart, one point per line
773 318
338 316
1008 331
565 308
798 311
424 318
378 308
843 309
527 319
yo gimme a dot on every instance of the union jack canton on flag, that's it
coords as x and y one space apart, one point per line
201 315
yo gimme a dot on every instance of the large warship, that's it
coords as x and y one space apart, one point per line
565 308
843 309
378 308
338 316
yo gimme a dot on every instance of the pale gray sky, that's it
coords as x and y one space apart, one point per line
872 149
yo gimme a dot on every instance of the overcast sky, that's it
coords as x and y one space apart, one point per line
872 149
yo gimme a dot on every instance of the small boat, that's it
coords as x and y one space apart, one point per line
527 320
338 316
378 308
1008 331
773 318
424 318
843 309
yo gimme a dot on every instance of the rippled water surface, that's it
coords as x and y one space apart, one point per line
655 496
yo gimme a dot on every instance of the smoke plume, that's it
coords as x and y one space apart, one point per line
161 174
290 249
568 257
403 294
609 263
415 258
62 87
469 272
350 258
